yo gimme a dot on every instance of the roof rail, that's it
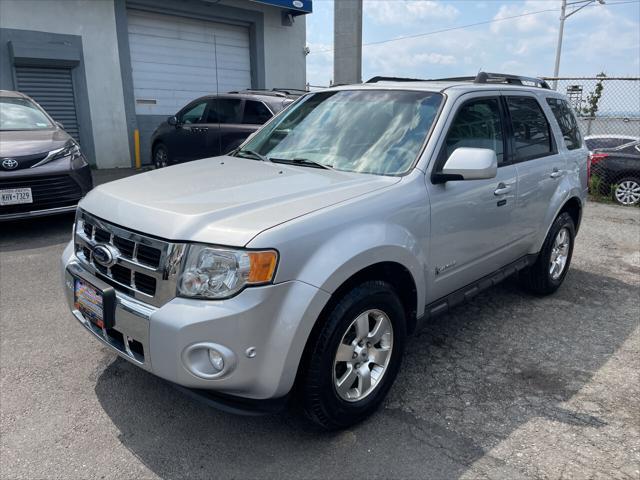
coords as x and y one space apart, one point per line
394 79
481 77
260 91
485 77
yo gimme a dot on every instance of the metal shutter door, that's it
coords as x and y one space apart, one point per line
174 60
52 88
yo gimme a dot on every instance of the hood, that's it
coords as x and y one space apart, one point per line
223 200
20 143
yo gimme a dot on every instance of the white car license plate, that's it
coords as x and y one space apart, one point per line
14 196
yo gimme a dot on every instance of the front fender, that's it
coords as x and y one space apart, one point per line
345 253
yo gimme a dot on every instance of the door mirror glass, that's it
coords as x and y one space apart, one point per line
172 120
467 163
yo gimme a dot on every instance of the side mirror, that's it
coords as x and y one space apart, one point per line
60 125
468 164
172 120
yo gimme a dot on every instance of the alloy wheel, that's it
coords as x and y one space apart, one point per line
628 192
559 253
363 355
161 159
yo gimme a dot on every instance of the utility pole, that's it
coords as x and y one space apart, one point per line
347 42
556 70
580 4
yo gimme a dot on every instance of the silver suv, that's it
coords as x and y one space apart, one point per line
296 266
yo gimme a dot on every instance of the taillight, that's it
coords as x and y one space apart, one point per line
593 159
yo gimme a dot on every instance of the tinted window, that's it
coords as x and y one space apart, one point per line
531 132
224 110
632 149
194 113
477 124
567 122
255 112
596 143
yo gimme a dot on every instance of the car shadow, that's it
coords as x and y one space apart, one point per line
468 381
36 232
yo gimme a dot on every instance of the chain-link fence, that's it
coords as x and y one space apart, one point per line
608 111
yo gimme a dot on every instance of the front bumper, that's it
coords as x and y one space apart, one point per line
56 188
271 322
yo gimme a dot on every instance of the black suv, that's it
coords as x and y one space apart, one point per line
215 124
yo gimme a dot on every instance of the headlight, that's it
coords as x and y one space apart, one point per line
70 149
215 273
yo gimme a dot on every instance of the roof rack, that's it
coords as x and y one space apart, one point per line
395 79
276 92
481 77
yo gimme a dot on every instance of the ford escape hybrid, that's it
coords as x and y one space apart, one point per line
297 267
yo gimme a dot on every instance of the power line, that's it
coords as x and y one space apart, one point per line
450 29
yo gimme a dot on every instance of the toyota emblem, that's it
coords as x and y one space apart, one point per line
9 163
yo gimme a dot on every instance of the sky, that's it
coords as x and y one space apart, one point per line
599 38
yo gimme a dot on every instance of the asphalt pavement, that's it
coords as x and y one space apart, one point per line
508 386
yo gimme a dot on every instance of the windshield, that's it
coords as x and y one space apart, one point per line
21 114
366 131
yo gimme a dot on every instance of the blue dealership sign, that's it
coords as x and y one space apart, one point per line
299 7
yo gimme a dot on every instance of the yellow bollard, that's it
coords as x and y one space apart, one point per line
136 147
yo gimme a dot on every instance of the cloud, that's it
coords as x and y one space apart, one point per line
401 12
534 23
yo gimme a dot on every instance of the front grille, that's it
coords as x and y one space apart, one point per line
49 191
146 267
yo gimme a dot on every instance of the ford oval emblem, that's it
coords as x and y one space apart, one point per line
9 163
105 255
297 4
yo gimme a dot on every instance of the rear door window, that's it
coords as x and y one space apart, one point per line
567 122
224 110
477 124
255 113
531 132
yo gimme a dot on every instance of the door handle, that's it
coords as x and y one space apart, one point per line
556 173
502 189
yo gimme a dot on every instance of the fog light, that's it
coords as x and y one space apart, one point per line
209 360
215 357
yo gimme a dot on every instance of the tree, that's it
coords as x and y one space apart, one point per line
591 107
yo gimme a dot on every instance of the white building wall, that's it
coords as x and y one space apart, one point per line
284 58
94 20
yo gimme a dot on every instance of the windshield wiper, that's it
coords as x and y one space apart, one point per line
252 154
303 162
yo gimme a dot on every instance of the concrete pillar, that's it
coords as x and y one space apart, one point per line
347 42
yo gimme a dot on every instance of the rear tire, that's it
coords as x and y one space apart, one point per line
627 191
547 274
160 156
354 359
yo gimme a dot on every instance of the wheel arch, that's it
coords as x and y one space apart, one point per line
392 272
573 205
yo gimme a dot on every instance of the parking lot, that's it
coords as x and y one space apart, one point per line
508 386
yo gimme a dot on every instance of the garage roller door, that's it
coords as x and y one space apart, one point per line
52 88
176 59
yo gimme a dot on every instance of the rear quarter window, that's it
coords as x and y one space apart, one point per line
567 122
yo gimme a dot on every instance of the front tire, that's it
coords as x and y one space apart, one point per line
160 156
354 359
547 274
